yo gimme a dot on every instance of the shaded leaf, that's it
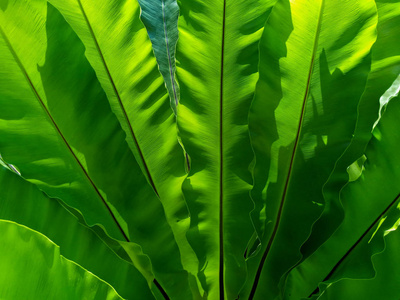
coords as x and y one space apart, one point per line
23 203
312 76
384 70
371 209
88 164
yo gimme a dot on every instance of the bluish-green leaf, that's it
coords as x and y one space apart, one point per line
161 20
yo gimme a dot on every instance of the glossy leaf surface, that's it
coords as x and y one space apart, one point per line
32 268
119 50
257 184
23 203
312 76
88 164
217 58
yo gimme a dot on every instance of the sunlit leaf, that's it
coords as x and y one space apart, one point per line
32 268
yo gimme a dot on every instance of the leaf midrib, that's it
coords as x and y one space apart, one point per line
221 153
374 223
52 121
149 176
117 94
279 215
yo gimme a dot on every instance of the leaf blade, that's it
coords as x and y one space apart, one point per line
120 51
367 203
49 274
74 96
305 70
22 203
217 57
161 21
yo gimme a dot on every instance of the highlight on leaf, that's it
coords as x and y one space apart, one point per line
199 149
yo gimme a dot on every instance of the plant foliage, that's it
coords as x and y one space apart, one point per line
198 149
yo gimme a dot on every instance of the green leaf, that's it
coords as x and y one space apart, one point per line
161 20
371 206
384 70
57 127
119 50
315 58
176 204
23 203
384 285
32 268
8 166
217 59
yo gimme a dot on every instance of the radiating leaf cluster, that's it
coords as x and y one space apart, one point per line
198 149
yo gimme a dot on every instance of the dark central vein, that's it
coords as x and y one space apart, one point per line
296 142
23 70
52 121
168 54
374 223
221 185
160 288
150 178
